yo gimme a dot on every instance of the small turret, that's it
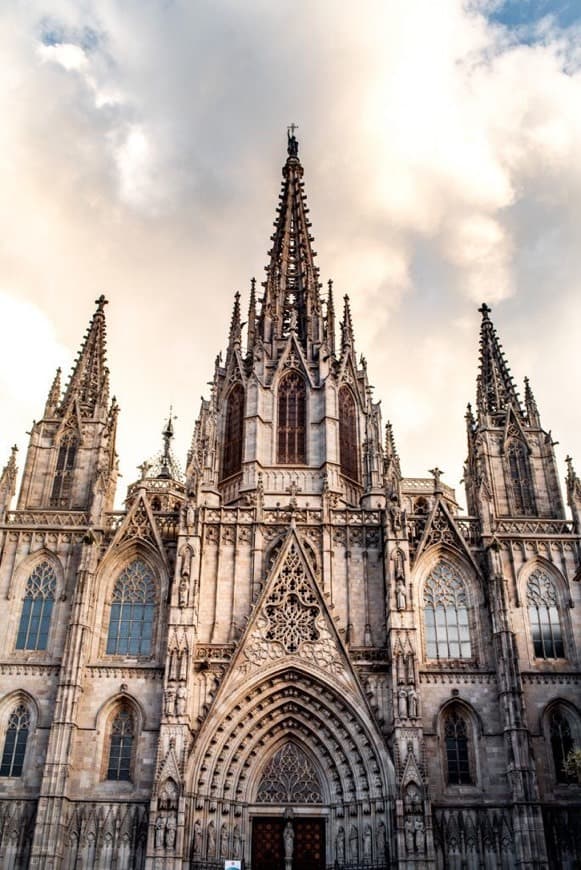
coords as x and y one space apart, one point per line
347 337
8 483
54 395
533 417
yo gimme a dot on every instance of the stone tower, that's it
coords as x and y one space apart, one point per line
292 655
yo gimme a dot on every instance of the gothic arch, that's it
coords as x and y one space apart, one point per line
104 722
18 590
348 434
291 419
429 560
105 579
462 711
8 705
535 569
281 746
570 718
233 441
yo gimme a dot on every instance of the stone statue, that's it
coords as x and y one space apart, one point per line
395 514
211 840
381 840
402 703
181 701
420 833
409 834
400 594
289 839
183 592
353 844
236 842
159 829
367 843
170 831
197 837
224 841
412 703
340 846
170 696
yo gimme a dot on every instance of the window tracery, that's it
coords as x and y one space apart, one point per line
233 434
292 607
290 777
65 466
446 614
132 611
544 618
291 449
15 742
562 742
519 475
456 734
37 608
348 446
121 746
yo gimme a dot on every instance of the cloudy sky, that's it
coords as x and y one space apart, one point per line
141 145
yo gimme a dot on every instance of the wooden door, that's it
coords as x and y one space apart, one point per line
268 844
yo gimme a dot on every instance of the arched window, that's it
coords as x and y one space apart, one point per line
37 608
544 616
132 611
446 614
65 466
348 448
233 433
457 735
519 474
562 742
121 746
15 742
292 420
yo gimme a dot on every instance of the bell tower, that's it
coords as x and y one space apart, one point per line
71 460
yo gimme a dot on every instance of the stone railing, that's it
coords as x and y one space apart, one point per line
48 519
526 526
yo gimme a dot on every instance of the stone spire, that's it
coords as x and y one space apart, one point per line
533 417
251 328
54 395
347 336
291 289
8 482
89 381
496 390
235 335
330 318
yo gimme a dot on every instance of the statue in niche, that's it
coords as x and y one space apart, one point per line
353 844
340 846
168 795
381 841
159 831
170 697
395 514
367 843
181 701
402 703
420 835
409 834
412 703
197 837
224 841
401 598
211 840
183 592
170 831
236 842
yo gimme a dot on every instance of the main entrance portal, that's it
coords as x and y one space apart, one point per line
268 847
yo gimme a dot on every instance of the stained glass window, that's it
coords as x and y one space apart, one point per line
15 742
544 616
446 614
456 732
37 608
132 611
121 746
292 420
232 457
348 449
65 466
561 743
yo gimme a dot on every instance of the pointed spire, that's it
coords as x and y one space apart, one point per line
235 324
292 279
496 390
8 481
89 381
251 334
54 395
330 317
531 406
347 338
391 454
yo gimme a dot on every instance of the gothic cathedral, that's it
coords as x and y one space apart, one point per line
292 656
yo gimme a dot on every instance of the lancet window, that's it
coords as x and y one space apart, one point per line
457 736
132 614
15 742
233 433
121 746
446 614
292 420
519 474
37 608
562 742
65 466
544 616
348 447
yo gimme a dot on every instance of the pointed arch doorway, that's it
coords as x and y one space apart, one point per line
292 835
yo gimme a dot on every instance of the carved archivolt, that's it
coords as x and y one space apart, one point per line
290 777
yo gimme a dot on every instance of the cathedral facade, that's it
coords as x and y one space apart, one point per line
292 656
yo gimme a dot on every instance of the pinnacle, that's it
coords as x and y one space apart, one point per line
89 380
496 390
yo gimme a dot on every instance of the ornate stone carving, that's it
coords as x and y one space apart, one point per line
290 778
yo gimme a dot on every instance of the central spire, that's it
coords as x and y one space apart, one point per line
291 297
496 390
